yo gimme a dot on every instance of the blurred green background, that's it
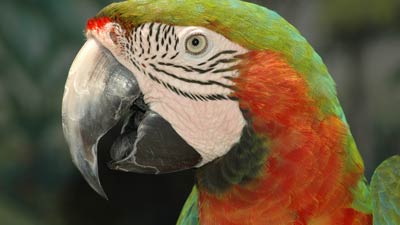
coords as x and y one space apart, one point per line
358 39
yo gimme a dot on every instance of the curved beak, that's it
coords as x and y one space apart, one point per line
98 93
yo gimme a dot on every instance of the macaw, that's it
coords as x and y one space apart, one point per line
232 89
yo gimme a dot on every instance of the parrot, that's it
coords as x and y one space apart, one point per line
234 91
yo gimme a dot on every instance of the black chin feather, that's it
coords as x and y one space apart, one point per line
240 165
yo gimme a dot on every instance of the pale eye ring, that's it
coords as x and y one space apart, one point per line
196 44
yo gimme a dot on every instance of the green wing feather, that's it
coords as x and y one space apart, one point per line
385 190
190 212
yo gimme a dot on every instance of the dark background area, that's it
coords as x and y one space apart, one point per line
359 40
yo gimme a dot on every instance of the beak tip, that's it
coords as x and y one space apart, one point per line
94 182
89 171
101 192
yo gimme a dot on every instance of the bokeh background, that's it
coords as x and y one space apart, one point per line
358 39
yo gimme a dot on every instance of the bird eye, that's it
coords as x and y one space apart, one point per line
196 44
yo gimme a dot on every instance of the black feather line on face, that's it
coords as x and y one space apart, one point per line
165 37
210 82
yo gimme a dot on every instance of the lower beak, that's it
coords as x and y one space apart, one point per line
98 93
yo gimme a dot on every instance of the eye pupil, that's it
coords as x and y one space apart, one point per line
195 42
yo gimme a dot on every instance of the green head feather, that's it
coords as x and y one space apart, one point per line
252 26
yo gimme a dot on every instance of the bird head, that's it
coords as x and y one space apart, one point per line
172 72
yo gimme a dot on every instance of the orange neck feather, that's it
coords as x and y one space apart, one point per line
304 180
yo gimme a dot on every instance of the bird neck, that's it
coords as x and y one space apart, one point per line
303 175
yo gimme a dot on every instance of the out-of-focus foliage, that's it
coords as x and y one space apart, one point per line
358 39
38 39
355 14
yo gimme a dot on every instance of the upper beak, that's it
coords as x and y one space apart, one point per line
98 93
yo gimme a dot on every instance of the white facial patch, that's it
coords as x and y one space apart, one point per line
185 76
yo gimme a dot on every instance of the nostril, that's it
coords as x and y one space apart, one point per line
114 36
